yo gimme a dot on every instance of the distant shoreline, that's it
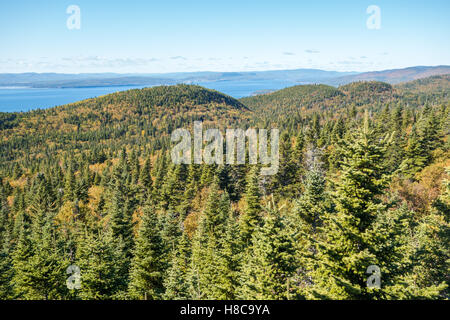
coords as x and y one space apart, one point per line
14 87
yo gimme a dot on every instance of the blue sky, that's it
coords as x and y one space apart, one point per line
173 36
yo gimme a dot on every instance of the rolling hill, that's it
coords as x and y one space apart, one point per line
92 184
436 84
304 99
148 116
139 116
393 76
299 101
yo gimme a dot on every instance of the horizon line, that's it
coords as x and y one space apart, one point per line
208 71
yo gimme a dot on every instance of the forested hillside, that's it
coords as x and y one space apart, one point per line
137 117
364 180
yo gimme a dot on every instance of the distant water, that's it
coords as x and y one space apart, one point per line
25 99
240 89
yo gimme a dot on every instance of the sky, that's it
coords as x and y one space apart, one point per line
231 35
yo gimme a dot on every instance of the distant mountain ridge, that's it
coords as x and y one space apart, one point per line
297 76
54 80
393 76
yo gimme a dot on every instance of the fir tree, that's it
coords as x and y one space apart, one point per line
69 184
174 187
23 252
269 262
349 246
297 159
121 222
6 267
145 177
37 260
229 258
416 155
362 232
252 214
176 281
101 259
287 167
205 248
148 265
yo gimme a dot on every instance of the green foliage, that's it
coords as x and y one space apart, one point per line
6 269
92 185
252 214
103 266
148 265
269 262
176 282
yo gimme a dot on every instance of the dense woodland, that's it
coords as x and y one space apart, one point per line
364 179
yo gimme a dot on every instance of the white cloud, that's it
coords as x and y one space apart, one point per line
178 58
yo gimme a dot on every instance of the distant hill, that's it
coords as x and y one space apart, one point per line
28 79
123 117
302 100
393 76
149 115
293 97
367 91
323 97
54 80
439 83
104 82
297 76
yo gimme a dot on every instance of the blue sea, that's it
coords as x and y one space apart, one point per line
25 99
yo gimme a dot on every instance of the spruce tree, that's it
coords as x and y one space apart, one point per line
287 168
229 258
69 184
102 262
297 159
430 252
160 171
174 187
311 206
415 156
362 232
305 223
252 213
148 264
48 279
349 245
37 259
121 222
6 267
190 191
203 277
269 262
23 252
145 177
176 281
